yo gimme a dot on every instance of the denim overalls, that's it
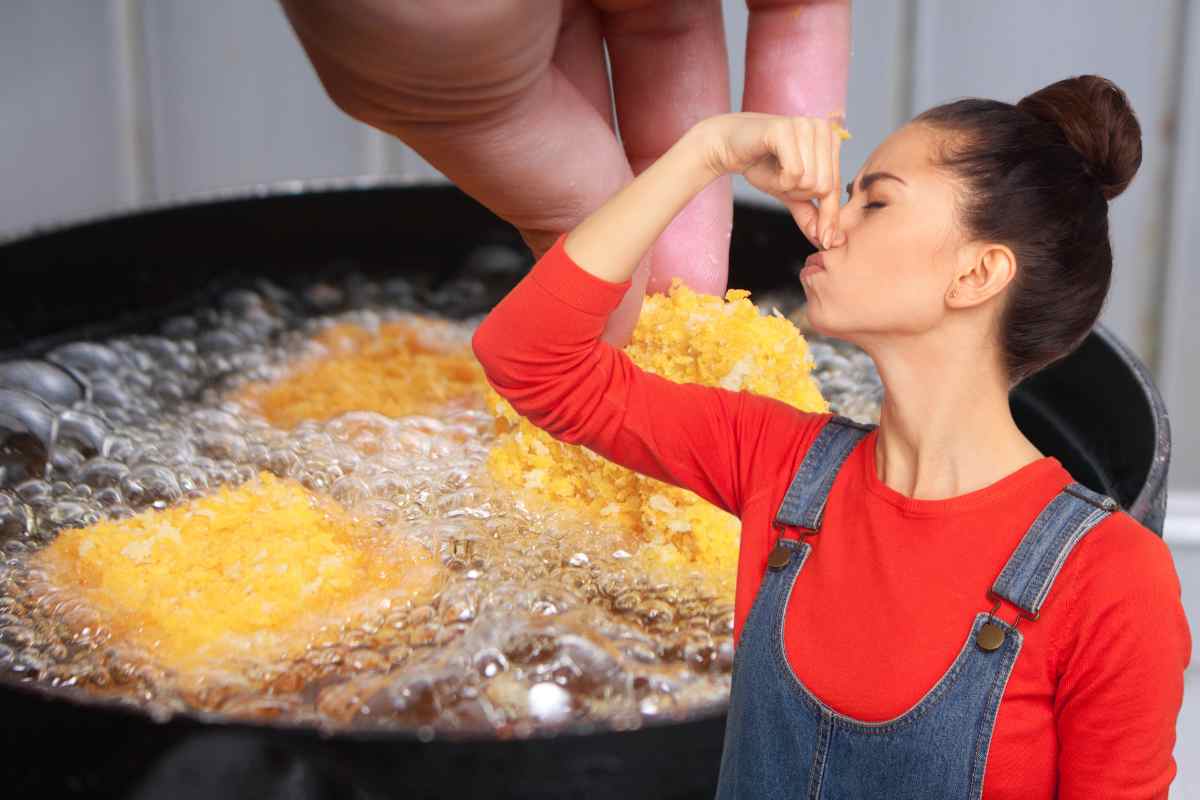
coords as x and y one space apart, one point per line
782 741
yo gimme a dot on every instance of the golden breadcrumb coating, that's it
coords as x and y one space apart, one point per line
248 572
394 372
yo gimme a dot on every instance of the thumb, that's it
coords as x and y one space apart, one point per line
805 214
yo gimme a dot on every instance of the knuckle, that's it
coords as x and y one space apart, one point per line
348 102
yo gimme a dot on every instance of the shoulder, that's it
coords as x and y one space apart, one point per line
1121 587
778 425
774 436
766 409
1120 556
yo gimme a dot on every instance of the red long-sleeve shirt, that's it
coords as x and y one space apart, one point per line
885 599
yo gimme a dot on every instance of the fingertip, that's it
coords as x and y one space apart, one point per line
835 226
827 222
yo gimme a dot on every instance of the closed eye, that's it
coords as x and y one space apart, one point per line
850 196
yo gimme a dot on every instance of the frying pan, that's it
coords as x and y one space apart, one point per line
1097 411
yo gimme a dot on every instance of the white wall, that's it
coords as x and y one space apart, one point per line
60 132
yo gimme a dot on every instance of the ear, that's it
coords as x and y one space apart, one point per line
984 271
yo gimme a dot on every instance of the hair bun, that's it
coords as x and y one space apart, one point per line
1098 121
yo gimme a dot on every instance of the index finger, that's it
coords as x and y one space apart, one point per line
693 84
840 134
829 148
797 57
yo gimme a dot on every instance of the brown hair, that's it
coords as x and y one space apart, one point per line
1037 176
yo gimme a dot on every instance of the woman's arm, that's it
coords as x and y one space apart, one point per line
541 350
793 158
540 346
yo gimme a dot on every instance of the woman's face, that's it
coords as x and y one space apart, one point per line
902 251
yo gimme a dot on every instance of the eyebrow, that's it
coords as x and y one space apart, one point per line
869 179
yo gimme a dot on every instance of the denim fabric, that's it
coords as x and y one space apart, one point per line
782 741
804 503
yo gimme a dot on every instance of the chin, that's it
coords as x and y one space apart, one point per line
816 321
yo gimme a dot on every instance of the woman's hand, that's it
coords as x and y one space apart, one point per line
792 158
795 159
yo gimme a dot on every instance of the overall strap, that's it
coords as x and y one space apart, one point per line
804 503
1030 572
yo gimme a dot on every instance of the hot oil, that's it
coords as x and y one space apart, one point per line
524 615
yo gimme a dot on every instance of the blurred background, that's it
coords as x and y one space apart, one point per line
116 104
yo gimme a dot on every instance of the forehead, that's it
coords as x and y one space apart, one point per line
906 153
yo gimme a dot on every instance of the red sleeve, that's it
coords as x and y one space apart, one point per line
540 348
1121 661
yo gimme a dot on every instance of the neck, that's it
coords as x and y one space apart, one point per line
945 428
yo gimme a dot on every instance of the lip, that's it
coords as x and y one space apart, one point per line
814 263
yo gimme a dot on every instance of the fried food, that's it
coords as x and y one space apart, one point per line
246 573
683 336
394 372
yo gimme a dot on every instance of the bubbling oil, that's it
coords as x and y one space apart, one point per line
541 617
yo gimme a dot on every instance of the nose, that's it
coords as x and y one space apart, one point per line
847 220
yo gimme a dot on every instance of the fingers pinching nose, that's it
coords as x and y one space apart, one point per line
828 240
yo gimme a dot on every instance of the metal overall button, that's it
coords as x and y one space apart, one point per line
779 557
990 636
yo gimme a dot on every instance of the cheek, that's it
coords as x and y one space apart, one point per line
910 292
896 272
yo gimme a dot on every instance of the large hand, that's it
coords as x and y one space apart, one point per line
510 100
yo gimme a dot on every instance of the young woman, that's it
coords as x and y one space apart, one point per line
930 607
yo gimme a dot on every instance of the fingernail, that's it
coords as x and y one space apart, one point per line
826 240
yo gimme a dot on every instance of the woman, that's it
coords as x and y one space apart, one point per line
931 607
